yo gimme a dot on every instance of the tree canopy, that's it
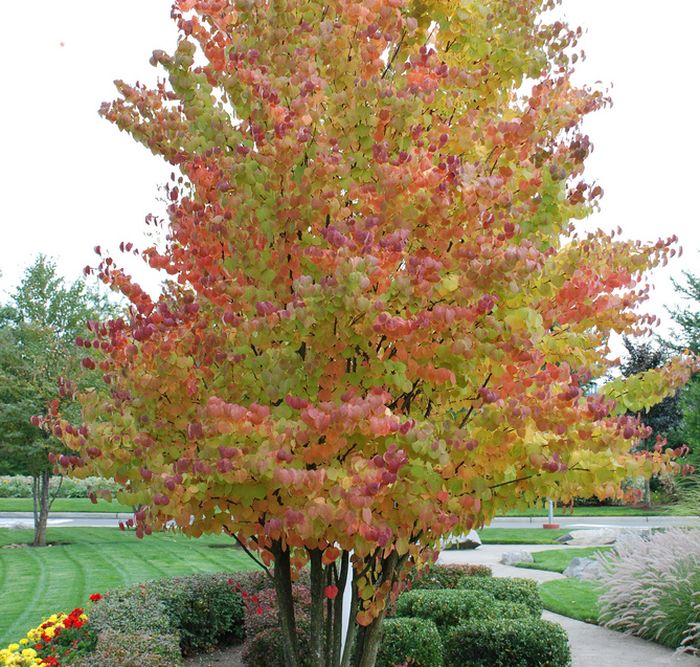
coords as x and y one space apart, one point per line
38 328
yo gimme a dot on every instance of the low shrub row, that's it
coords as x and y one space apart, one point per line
481 622
20 486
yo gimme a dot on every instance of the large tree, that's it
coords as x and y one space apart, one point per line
38 328
665 417
380 316
687 317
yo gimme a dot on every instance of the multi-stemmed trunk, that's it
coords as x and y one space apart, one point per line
328 645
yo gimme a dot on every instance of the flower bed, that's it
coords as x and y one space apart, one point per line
60 639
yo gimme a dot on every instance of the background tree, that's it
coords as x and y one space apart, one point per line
665 418
380 315
38 328
688 337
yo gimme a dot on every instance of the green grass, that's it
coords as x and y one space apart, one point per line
603 510
64 505
38 582
557 560
571 597
520 535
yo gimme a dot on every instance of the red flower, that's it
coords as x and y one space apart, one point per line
330 592
95 597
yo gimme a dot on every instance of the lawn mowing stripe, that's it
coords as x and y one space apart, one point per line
3 571
23 622
78 589
239 561
134 561
208 554
103 571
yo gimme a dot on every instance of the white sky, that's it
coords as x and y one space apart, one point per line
69 180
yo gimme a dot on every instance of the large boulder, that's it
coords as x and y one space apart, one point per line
470 540
583 568
515 557
590 537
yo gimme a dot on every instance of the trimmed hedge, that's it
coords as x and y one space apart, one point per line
447 576
507 643
448 608
413 641
507 589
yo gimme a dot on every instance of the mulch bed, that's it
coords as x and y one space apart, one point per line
228 657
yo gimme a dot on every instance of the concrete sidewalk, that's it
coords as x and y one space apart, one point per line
591 645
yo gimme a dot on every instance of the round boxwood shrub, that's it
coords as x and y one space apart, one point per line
528 642
447 608
447 576
204 608
412 641
507 589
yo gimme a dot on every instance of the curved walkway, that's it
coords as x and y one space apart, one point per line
591 645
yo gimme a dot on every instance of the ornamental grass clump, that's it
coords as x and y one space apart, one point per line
652 587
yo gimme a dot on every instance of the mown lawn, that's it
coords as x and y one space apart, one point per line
64 505
558 560
36 582
520 535
571 597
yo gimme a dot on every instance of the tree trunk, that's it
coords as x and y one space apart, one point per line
647 492
40 488
285 605
317 600
368 643
337 634
351 634
326 627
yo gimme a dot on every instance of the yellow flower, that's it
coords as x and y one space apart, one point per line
24 641
13 647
